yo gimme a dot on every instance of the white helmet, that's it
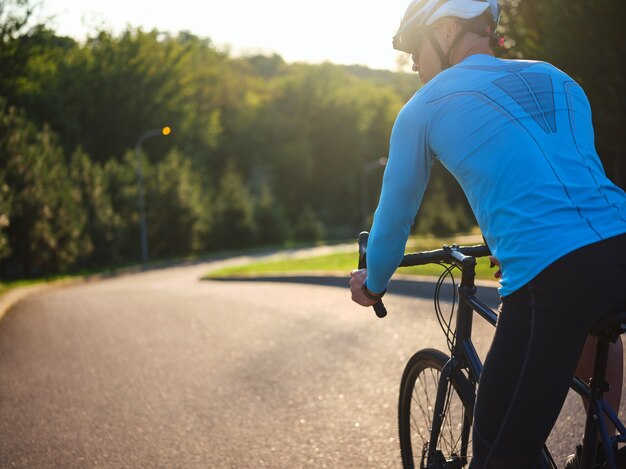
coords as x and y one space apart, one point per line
422 13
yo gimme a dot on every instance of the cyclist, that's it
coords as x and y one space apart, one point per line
518 137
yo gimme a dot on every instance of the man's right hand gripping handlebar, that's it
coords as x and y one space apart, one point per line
379 307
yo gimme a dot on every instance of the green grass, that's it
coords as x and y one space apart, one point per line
6 286
341 262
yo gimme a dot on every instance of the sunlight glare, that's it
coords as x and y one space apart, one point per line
347 32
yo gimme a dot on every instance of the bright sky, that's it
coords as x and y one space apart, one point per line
340 31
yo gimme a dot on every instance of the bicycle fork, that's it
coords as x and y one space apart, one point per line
434 458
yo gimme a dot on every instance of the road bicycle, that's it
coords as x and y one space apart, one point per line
438 390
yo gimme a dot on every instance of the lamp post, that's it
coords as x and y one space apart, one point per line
143 229
367 167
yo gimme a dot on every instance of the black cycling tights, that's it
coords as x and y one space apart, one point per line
540 334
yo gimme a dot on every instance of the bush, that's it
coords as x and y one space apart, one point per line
309 228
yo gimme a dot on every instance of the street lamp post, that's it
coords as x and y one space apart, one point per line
143 229
367 167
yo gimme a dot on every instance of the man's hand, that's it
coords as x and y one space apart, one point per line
495 262
357 277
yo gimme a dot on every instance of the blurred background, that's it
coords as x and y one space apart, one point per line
193 130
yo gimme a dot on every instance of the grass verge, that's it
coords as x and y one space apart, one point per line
341 262
6 286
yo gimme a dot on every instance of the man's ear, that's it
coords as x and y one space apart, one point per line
451 29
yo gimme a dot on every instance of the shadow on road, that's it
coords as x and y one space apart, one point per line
421 288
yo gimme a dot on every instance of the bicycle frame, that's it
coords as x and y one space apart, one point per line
465 357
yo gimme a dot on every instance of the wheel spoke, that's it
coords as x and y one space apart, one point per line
417 407
425 411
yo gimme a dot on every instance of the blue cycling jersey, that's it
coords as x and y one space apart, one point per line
518 137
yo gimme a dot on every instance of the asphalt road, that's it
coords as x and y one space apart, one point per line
160 369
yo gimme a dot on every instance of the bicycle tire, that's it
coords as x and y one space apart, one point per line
418 390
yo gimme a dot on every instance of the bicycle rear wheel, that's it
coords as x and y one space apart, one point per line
418 392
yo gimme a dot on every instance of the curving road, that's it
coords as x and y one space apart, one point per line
160 369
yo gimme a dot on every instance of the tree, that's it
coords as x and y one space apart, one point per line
233 212
120 182
15 30
113 89
270 219
46 222
321 126
173 206
5 217
308 227
102 223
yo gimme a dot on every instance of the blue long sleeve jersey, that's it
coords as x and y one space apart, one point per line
518 137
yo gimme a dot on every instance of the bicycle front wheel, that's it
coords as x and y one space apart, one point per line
418 393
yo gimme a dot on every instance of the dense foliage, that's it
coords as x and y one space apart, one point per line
261 152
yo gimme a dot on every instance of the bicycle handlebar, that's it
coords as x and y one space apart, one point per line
456 255
447 254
